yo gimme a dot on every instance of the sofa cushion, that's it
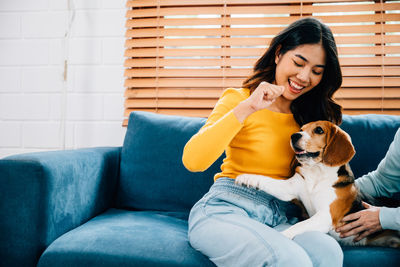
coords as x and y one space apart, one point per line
371 135
149 238
370 257
152 176
125 238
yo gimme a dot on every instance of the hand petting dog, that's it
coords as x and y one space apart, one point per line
361 224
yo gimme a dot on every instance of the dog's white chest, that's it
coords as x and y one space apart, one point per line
318 192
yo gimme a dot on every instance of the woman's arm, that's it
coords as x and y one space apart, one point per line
204 148
225 121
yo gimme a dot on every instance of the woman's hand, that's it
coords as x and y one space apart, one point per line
361 224
262 97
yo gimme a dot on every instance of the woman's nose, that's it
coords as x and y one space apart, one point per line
304 75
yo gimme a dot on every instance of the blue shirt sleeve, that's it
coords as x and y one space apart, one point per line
390 218
384 182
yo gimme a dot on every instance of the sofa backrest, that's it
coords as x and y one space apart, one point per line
152 176
371 135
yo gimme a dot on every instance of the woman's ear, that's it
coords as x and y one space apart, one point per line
278 53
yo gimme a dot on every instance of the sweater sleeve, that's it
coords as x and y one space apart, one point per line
384 182
206 146
390 218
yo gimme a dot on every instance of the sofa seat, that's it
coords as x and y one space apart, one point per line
126 238
370 257
151 238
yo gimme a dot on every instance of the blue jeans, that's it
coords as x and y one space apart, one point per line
237 226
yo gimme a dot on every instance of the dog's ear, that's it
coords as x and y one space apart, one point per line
339 150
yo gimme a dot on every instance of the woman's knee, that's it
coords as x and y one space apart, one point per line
253 251
230 243
322 248
291 254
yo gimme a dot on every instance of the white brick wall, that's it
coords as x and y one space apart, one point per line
32 52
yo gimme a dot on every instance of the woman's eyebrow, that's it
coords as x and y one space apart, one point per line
303 58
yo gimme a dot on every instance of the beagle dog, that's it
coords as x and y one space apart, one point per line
323 182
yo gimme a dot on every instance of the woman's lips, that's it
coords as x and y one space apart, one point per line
294 87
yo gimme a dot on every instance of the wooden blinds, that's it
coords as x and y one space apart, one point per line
180 55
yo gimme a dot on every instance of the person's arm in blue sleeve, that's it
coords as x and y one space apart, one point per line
383 182
390 218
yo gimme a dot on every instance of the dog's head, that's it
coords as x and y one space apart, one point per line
322 141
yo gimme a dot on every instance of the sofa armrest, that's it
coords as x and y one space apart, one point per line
43 195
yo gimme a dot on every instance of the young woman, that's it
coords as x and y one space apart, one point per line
292 84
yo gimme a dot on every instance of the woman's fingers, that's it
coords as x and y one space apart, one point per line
264 95
270 91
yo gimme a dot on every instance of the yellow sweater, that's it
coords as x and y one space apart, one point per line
261 145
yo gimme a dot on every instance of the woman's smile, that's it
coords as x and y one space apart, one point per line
294 87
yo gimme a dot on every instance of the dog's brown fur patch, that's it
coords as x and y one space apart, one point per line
346 196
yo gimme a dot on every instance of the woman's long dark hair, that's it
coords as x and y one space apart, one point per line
316 104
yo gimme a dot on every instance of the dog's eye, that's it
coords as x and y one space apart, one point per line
318 130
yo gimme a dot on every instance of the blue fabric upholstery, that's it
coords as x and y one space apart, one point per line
126 238
43 195
371 135
152 175
146 194
370 257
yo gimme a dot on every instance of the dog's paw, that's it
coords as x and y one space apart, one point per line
247 180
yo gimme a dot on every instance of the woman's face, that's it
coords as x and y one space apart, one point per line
300 69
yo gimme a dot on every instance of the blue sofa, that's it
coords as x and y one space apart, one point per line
128 206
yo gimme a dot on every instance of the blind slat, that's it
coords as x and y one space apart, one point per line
170 103
242 73
150 3
370 103
262 9
255 41
256 52
174 93
154 22
193 62
376 93
209 103
150 32
236 82
215 93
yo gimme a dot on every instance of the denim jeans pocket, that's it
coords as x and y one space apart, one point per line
229 203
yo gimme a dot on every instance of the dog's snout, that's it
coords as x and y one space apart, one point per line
295 137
